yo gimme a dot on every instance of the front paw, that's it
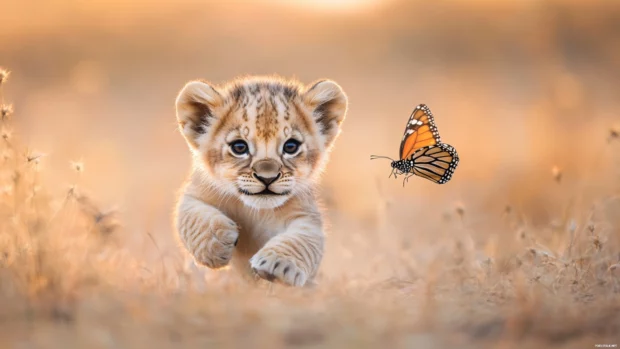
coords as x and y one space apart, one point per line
212 243
271 266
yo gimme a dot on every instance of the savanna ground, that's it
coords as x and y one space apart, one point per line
519 250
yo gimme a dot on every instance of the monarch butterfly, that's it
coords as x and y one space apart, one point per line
421 151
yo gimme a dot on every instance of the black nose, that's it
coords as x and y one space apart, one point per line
266 180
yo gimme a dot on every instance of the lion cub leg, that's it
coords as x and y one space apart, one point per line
206 232
292 257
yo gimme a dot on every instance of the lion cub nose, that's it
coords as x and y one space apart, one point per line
267 180
266 171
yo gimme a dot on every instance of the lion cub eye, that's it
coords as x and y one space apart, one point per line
239 147
291 146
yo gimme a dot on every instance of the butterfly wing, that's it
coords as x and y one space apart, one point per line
419 132
435 163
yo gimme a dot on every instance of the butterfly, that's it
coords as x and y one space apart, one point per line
421 151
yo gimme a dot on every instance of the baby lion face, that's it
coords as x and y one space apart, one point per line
262 140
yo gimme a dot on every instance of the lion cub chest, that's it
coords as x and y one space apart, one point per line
255 229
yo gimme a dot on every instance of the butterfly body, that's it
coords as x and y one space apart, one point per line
421 151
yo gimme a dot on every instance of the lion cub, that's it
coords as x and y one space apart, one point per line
258 146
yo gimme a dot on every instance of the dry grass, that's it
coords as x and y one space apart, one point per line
66 283
520 250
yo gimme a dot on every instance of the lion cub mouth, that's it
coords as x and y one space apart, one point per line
264 192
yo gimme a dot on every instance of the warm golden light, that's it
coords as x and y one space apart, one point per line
334 5
521 248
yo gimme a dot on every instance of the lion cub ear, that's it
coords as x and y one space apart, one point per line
328 103
195 104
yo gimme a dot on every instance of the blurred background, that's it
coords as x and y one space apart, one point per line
520 88
521 245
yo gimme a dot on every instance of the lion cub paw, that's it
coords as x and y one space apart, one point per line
267 264
214 241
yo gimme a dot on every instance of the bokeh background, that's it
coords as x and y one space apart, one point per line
527 91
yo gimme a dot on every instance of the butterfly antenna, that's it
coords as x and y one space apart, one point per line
373 157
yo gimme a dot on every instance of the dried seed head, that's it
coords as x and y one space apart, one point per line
72 192
598 243
6 134
77 166
6 111
556 172
34 157
4 75
106 222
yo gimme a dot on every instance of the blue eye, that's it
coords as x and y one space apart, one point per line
239 147
291 146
